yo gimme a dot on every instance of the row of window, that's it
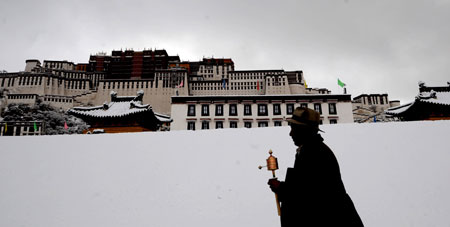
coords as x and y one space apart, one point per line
69 84
14 96
233 124
57 100
57 65
250 76
31 80
210 69
166 83
207 88
262 109
374 100
112 85
247 124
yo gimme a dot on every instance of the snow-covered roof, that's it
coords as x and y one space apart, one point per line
398 109
113 109
432 95
442 98
120 106
162 117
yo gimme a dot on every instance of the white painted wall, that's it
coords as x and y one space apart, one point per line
180 118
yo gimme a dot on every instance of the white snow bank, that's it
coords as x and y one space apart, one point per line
396 173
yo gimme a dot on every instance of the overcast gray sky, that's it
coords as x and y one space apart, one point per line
382 46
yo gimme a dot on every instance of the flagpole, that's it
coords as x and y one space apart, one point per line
341 84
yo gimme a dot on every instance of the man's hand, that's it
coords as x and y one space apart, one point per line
274 184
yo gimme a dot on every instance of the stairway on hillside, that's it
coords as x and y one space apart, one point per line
84 99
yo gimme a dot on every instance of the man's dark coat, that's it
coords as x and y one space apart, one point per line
313 193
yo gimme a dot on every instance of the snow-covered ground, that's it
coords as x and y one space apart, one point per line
398 174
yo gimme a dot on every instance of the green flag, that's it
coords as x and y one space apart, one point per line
340 83
35 127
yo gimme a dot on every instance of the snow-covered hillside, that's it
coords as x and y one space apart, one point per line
398 174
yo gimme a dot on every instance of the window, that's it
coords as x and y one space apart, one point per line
277 123
289 108
205 110
318 107
262 124
205 124
219 110
219 124
191 126
332 108
262 109
233 124
233 110
333 121
304 105
191 110
247 124
276 109
247 109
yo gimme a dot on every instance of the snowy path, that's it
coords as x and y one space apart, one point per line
398 174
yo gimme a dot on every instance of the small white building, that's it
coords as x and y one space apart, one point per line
21 128
250 111
371 107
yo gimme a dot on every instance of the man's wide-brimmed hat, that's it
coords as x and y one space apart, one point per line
305 116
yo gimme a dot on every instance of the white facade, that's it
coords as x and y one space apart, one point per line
67 88
254 111
62 65
214 72
31 64
58 84
157 92
254 82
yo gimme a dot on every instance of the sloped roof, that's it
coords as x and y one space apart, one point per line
162 117
430 95
442 98
120 106
398 109
113 109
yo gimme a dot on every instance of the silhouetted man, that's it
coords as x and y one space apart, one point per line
313 193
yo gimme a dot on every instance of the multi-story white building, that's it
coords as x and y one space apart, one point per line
238 111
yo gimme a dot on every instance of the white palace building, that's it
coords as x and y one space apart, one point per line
238 111
206 94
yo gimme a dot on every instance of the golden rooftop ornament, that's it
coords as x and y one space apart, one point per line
272 165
